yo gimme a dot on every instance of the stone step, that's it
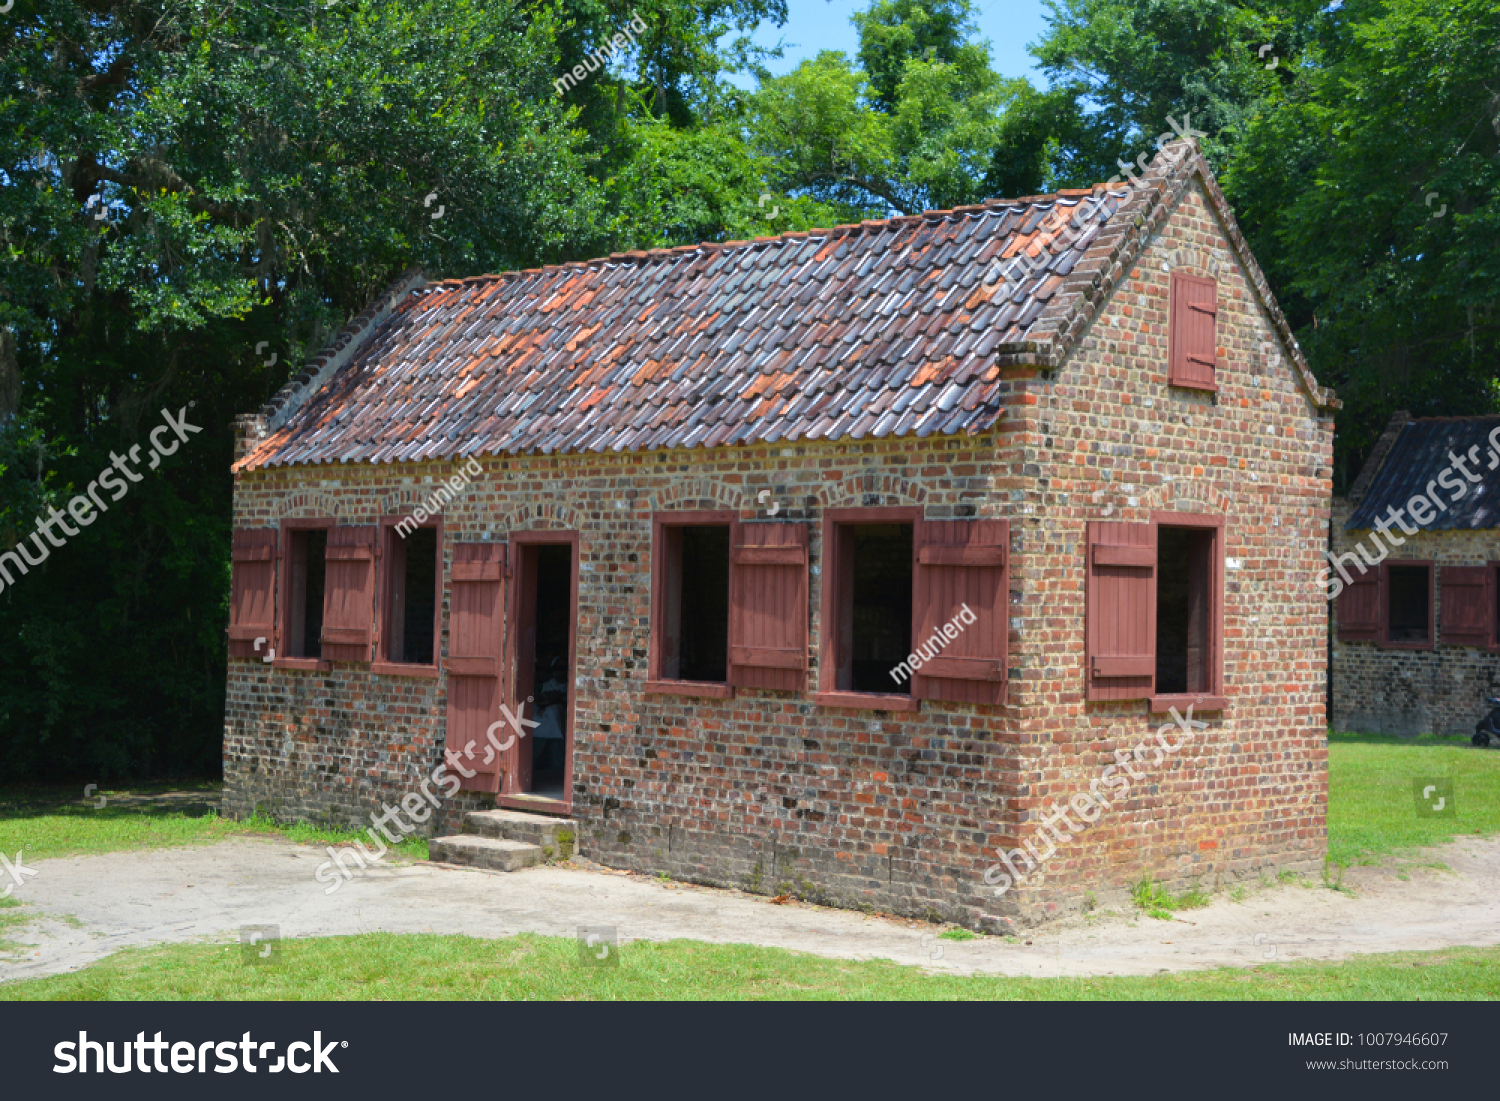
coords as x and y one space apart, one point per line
498 855
557 837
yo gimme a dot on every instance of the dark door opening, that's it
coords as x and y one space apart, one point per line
544 673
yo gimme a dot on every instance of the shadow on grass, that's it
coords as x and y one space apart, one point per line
191 799
1424 741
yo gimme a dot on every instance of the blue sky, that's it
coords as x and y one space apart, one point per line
815 25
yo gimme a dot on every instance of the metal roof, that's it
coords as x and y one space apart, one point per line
1419 456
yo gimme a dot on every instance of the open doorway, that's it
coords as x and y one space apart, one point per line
546 596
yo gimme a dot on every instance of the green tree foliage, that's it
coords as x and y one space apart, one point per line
1329 126
895 33
1373 184
915 129
661 123
1129 64
195 196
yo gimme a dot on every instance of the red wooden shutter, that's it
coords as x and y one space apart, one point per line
1466 602
349 594
1359 608
475 640
1192 343
252 592
962 572
1121 611
768 605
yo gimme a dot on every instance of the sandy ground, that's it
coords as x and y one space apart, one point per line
89 907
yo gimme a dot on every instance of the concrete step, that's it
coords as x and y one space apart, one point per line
557 837
497 855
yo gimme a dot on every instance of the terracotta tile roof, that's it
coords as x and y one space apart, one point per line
879 329
886 328
1416 453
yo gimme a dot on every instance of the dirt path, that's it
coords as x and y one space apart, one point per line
89 907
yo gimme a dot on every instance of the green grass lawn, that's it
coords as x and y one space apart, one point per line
1372 811
53 822
1372 816
384 966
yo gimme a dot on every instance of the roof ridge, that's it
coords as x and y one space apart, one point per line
848 229
1378 454
340 349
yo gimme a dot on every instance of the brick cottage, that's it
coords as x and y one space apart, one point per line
1415 557
832 564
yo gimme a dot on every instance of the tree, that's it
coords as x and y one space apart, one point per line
195 196
1357 144
1376 183
919 133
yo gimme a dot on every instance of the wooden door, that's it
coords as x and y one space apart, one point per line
475 639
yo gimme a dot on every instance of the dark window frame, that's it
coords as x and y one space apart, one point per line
1212 698
834 520
385 581
1386 642
284 590
657 683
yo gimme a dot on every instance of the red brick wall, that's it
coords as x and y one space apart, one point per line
1105 438
766 791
